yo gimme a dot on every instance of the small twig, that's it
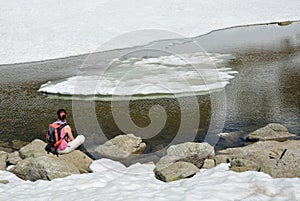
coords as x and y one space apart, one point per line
281 156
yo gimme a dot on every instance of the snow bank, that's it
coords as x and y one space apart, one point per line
112 181
37 30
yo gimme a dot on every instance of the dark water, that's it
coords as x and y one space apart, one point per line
266 89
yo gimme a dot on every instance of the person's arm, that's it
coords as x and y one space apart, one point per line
68 130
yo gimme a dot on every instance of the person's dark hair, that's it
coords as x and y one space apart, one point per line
61 117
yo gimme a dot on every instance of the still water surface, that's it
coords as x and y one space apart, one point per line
266 89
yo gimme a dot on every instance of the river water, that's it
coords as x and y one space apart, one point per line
265 89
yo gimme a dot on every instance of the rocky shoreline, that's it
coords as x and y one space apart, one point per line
271 149
32 162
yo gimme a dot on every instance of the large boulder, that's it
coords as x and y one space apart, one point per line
272 131
189 152
13 158
3 158
121 147
278 159
34 149
37 164
77 158
176 171
43 167
37 148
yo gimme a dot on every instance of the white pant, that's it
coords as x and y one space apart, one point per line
72 145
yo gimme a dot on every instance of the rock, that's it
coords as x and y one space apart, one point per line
3 158
37 164
242 165
4 181
176 171
208 164
121 147
34 149
232 139
272 131
222 158
190 153
284 23
278 159
14 158
43 167
277 127
77 158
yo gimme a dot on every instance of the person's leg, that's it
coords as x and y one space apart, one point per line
85 151
79 140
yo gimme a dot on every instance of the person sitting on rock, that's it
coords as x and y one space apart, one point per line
69 143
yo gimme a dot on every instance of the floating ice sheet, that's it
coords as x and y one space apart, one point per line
175 74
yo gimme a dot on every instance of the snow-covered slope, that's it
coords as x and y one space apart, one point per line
34 30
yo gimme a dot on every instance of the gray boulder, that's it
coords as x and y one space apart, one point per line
278 159
189 152
37 164
77 158
34 149
242 165
176 171
13 158
209 163
121 147
43 167
272 131
3 158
